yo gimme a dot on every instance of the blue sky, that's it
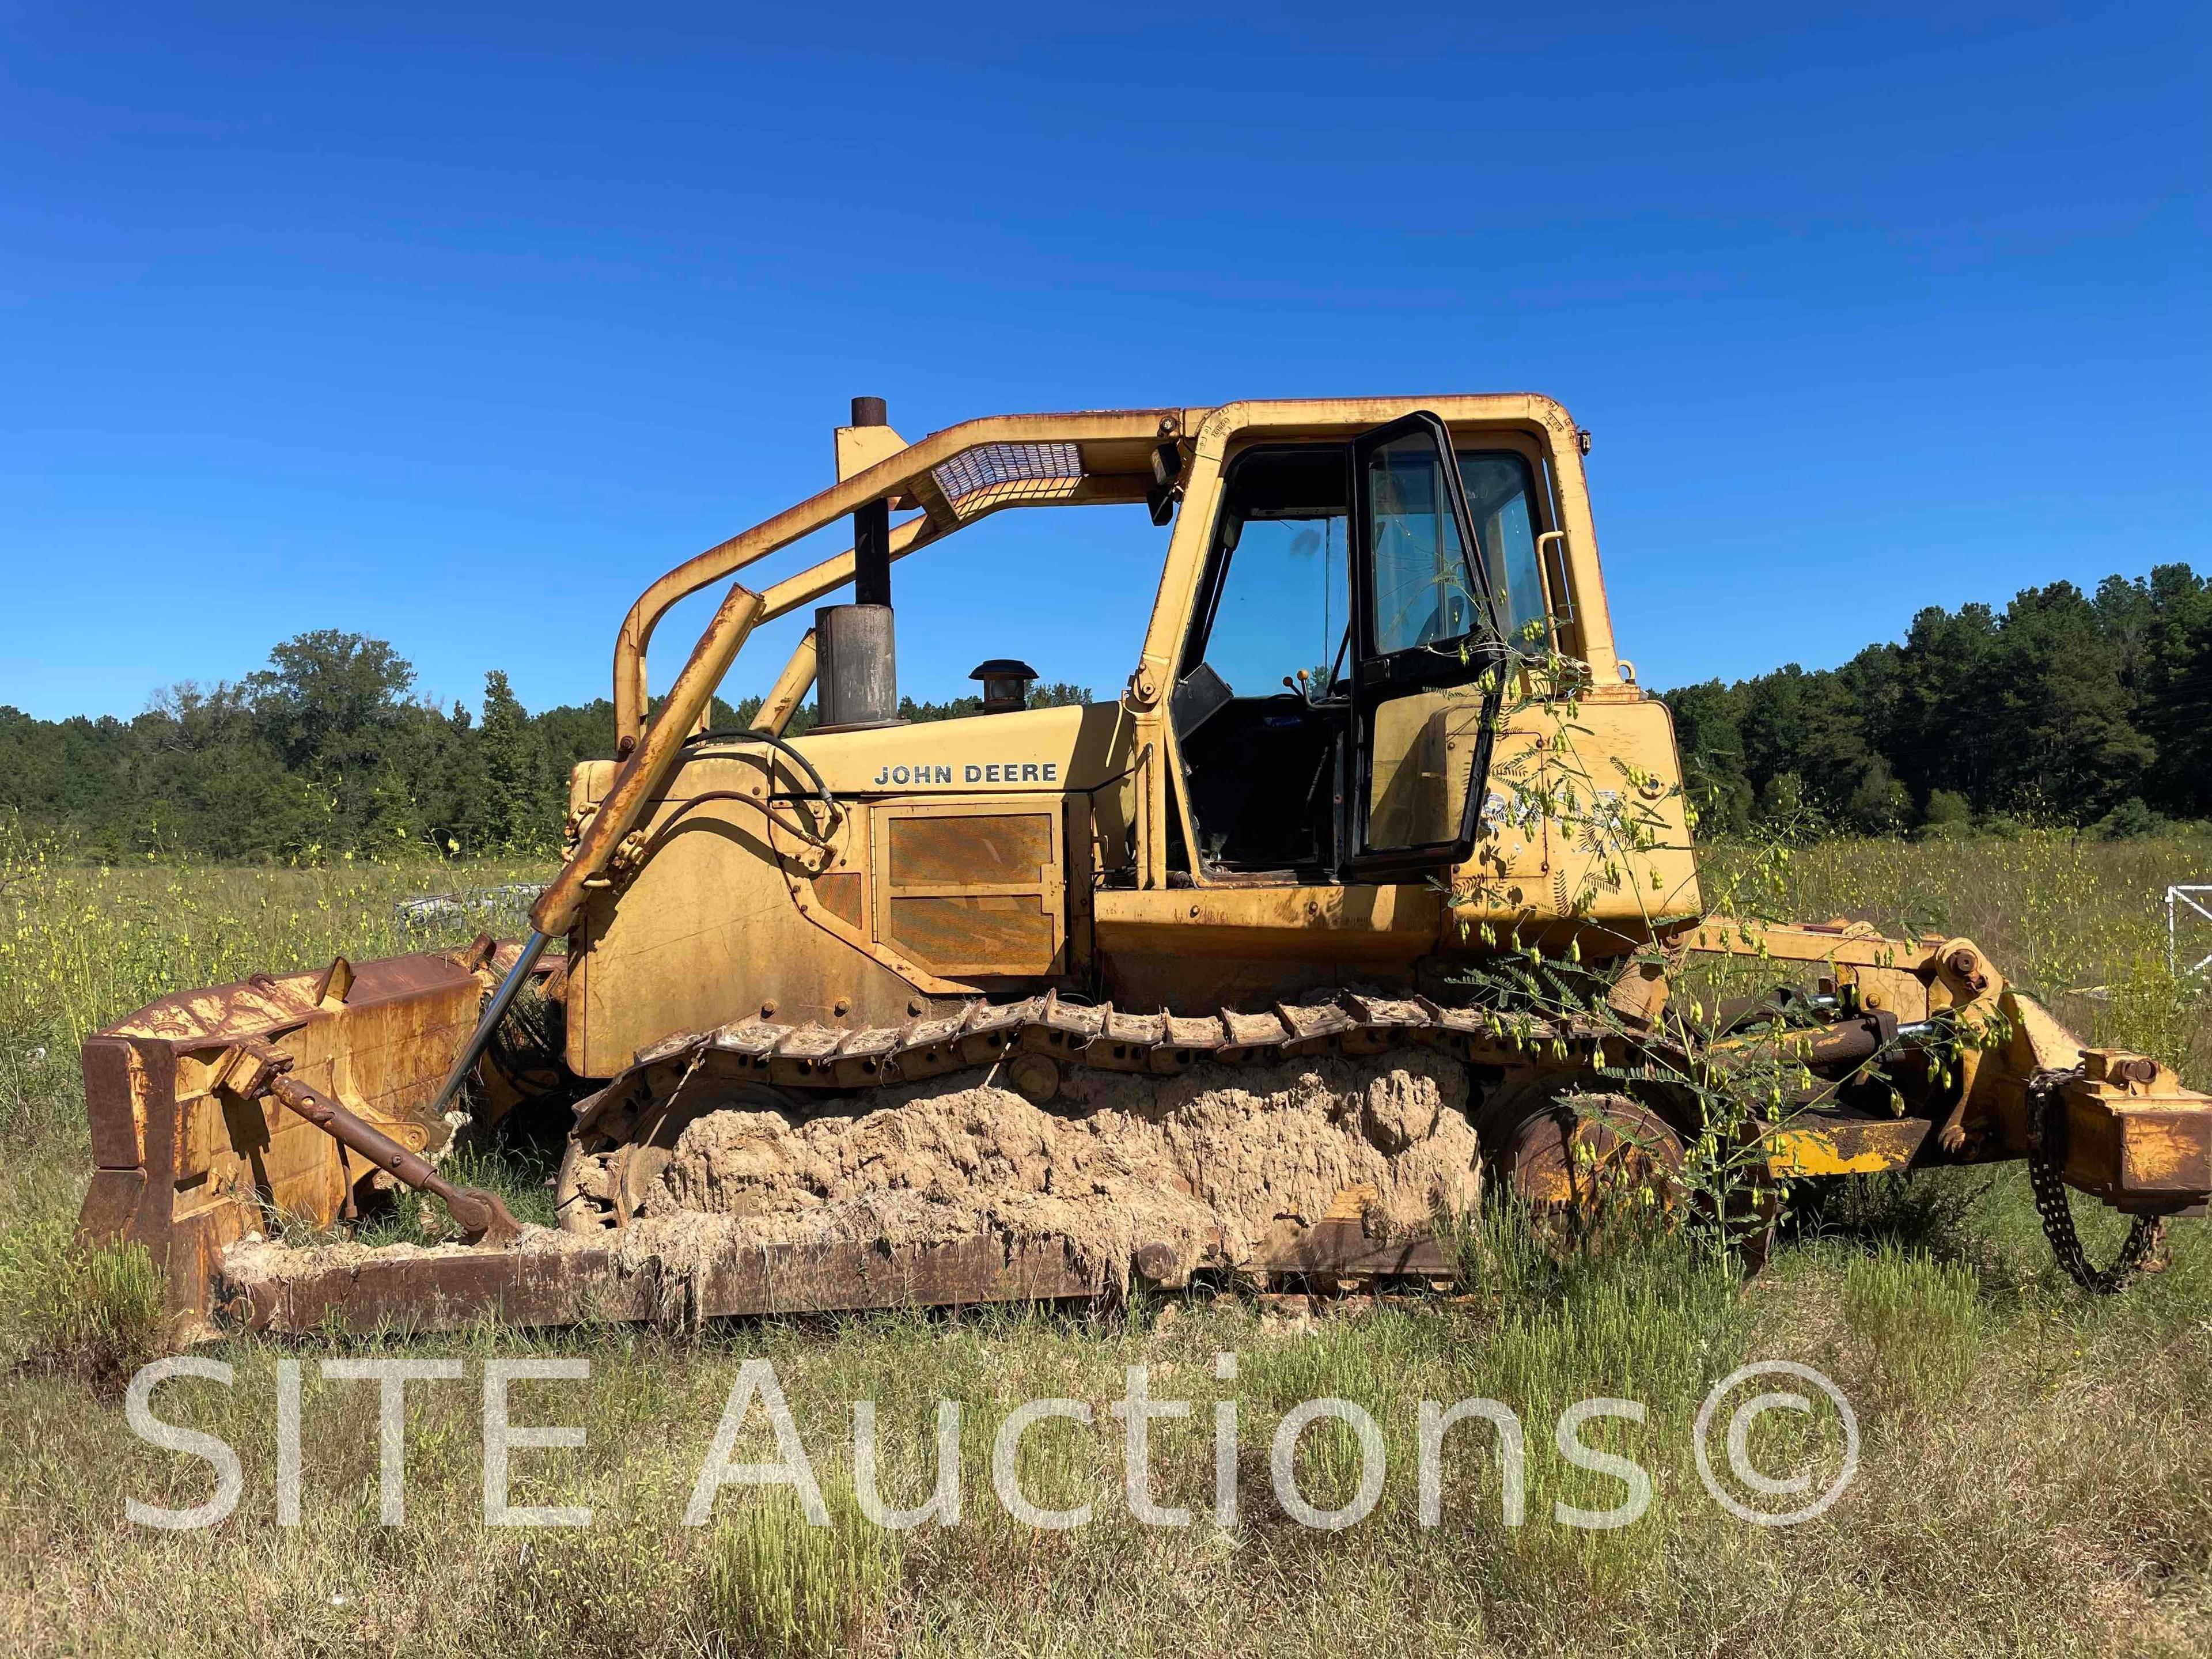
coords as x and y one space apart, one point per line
456 326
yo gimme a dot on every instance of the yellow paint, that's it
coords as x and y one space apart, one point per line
1811 1152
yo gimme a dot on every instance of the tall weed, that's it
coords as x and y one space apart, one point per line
778 1585
98 1313
1922 1317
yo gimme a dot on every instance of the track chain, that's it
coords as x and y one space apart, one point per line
2046 1162
1159 1043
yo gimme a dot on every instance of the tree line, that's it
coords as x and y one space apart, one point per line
2084 709
2064 707
327 751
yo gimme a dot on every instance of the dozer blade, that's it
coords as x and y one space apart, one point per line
188 1163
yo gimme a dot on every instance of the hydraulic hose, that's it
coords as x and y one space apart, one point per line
532 949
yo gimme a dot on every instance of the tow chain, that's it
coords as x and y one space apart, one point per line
2046 1162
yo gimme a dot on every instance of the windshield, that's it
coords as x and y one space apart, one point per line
1424 587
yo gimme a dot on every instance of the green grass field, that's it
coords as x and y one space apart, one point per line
2035 1474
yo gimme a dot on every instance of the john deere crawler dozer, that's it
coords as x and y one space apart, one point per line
1209 978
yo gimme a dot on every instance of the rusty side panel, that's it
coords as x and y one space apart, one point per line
841 893
953 851
111 1203
115 1101
959 936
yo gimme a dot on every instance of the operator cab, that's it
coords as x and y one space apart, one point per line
1313 668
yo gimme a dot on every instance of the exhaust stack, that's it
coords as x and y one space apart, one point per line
857 682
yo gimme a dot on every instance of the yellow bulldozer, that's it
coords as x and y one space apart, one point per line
1218 977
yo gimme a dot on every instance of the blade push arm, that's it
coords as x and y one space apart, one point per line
256 1070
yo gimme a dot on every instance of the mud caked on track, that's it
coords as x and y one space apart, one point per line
1219 1168
1209 1163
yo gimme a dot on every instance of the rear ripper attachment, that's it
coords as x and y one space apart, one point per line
1972 1070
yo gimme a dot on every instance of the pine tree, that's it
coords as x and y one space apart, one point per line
516 773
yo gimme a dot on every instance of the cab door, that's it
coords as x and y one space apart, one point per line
1338 632
1425 640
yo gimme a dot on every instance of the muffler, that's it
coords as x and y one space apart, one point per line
856 676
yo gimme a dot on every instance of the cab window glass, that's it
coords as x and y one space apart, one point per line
1283 603
1423 588
1500 499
